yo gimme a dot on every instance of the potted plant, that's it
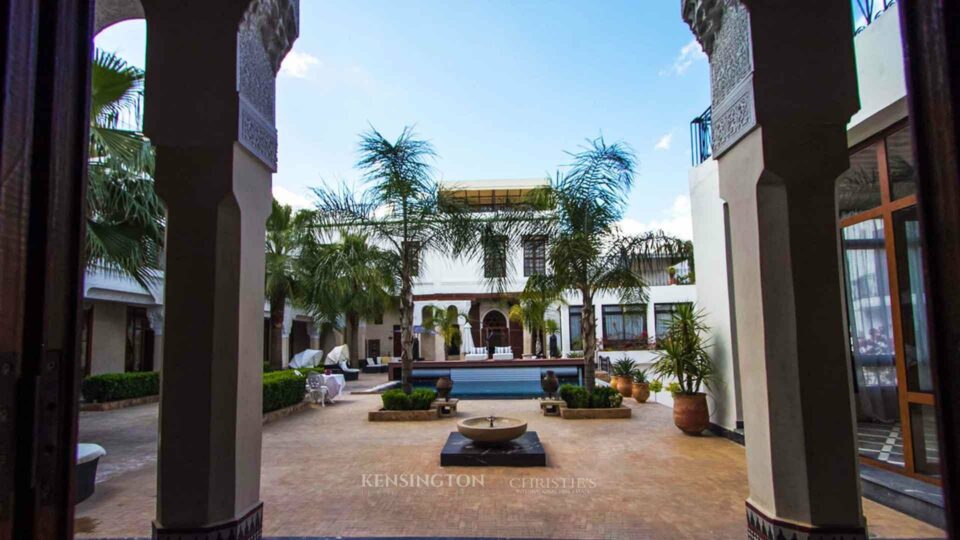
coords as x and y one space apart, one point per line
683 358
623 371
641 386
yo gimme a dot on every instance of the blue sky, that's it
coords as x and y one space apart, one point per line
501 88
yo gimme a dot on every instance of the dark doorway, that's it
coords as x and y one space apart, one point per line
139 350
299 338
397 341
495 331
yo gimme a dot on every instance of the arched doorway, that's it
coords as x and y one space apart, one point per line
495 331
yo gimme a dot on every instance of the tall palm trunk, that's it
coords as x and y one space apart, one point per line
276 331
589 335
353 335
406 331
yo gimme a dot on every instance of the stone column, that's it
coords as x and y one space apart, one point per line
155 316
210 114
783 89
285 335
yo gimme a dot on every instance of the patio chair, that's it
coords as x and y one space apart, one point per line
475 353
316 389
349 373
374 365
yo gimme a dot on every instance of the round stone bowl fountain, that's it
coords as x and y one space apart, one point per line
491 430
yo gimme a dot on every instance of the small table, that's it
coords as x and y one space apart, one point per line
446 408
551 407
335 384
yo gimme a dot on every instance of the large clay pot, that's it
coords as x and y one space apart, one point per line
690 413
550 383
444 386
614 381
625 386
641 392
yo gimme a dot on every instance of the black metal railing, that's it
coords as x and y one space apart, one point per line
868 11
700 138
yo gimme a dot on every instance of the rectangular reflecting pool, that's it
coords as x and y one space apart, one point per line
493 379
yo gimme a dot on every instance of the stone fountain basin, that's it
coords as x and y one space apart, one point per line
478 429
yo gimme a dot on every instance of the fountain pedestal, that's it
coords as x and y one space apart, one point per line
524 451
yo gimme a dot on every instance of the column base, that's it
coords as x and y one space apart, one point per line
762 527
247 527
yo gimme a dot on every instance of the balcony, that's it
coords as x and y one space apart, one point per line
700 138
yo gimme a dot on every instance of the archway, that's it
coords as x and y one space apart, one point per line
494 330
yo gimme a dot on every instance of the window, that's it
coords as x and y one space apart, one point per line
378 319
576 337
495 256
86 340
138 350
534 255
373 348
662 316
412 250
625 327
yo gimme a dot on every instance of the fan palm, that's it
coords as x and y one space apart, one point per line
124 216
586 251
349 277
406 211
683 352
280 276
447 323
538 295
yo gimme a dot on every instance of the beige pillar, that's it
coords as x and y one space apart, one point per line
783 89
286 328
209 112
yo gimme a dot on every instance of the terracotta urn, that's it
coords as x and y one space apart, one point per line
625 386
444 386
641 392
550 383
614 381
690 413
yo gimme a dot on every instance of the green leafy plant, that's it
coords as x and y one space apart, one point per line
575 354
674 388
446 323
640 376
605 397
576 397
117 386
282 389
656 386
280 275
422 398
623 367
683 353
396 400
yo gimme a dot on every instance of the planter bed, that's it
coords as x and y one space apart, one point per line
402 416
595 414
284 412
119 404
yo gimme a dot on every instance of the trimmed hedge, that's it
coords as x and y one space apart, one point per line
117 386
282 389
418 400
577 397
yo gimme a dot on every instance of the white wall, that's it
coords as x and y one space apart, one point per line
109 347
880 77
714 290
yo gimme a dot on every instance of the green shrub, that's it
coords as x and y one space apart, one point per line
396 400
605 397
117 386
656 386
640 376
575 396
267 368
421 398
282 389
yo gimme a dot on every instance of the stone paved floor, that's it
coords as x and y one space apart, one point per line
324 471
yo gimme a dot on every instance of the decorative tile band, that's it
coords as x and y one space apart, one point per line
248 527
761 527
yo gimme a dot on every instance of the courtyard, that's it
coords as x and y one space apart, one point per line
327 471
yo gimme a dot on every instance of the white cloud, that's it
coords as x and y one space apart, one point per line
664 142
689 53
298 64
289 198
675 221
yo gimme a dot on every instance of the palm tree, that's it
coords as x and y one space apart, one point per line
406 211
349 277
586 251
281 283
447 323
124 216
538 295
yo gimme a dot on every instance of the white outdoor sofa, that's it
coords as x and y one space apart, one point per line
475 353
503 353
